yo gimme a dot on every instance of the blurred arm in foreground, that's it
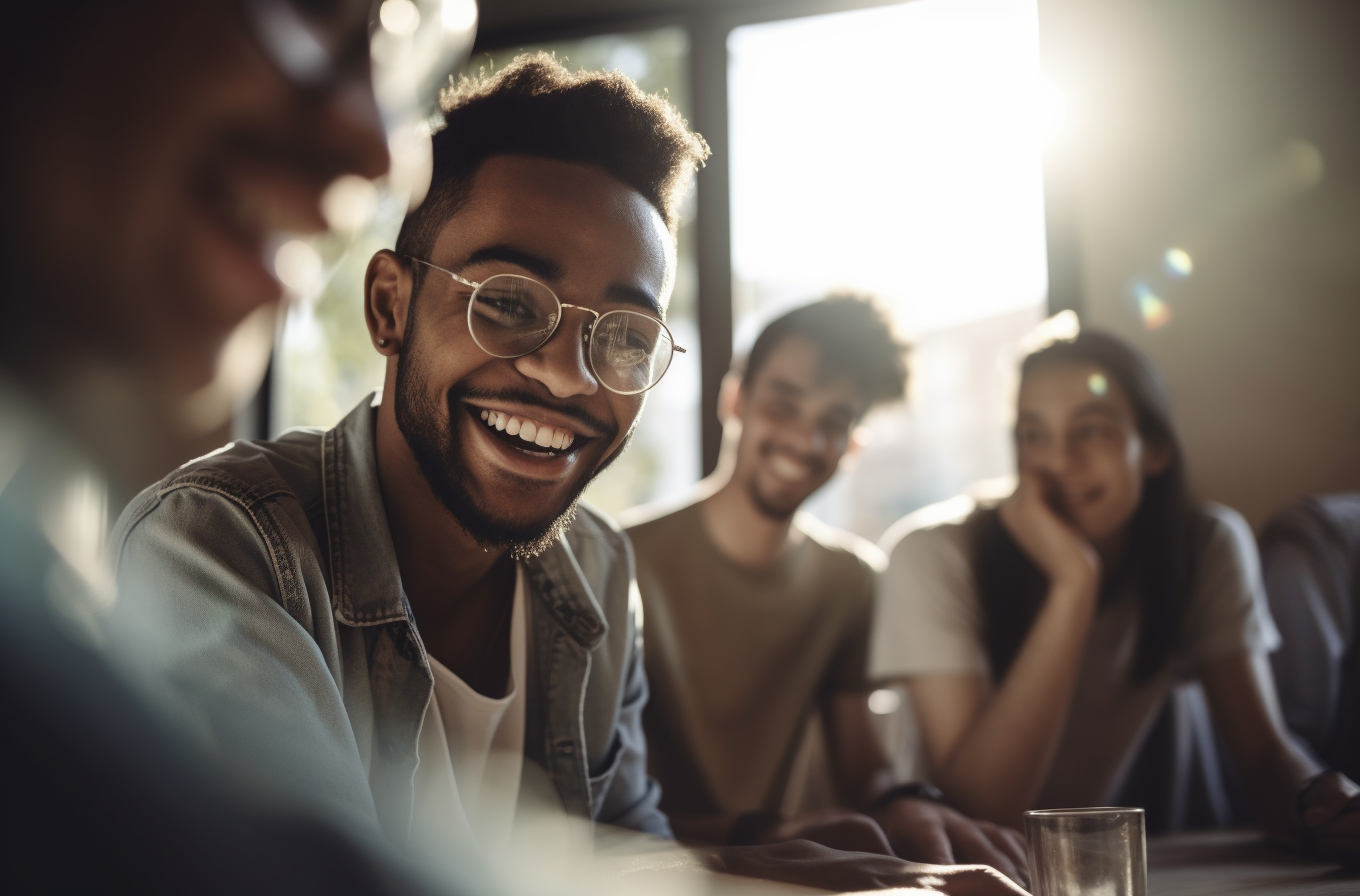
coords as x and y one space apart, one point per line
152 150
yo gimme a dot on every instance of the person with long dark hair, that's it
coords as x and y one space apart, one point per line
1038 637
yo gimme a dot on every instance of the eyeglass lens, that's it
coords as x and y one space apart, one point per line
512 316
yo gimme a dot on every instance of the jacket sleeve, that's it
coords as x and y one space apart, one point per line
633 797
201 621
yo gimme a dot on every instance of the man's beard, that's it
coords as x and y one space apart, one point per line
768 508
439 454
775 510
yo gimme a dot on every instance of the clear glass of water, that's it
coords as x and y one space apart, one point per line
1087 852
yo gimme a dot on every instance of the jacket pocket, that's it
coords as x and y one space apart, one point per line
599 784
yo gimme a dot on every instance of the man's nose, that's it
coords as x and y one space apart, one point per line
809 438
561 363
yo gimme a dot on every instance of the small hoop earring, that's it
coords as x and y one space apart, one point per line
382 343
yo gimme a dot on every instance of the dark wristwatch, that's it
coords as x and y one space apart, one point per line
1301 798
918 790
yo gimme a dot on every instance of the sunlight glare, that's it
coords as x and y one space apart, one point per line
914 174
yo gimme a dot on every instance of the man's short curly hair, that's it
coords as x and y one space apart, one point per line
854 337
536 107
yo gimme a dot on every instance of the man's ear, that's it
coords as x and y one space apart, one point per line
730 397
387 300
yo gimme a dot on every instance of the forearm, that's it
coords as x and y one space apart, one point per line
995 769
1273 785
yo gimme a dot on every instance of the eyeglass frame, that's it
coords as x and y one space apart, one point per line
585 337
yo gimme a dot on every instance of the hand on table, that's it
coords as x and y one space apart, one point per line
1329 818
814 865
839 829
925 831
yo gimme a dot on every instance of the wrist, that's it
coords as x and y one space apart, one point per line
1300 804
1074 588
914 790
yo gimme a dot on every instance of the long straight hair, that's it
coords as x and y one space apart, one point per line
1161 553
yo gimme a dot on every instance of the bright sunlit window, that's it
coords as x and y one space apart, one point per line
897 151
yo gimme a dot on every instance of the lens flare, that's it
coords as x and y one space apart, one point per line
349 203
1178 262
1155 312
399 16
884 702
1098 385
298 267
458 15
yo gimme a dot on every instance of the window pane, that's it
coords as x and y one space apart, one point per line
325 361
897 151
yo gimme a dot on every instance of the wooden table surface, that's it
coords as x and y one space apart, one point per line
1210 863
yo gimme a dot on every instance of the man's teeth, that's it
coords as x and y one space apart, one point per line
789 469
540 434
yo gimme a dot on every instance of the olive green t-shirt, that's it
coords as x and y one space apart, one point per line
737 658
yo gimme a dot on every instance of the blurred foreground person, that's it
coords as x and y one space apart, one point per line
150 151
408 618
758 616
1039 638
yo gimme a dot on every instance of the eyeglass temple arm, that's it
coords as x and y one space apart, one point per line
443 270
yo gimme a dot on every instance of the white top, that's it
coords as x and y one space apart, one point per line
471 752
929 622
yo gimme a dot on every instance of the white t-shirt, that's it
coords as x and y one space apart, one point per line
929 622
471 753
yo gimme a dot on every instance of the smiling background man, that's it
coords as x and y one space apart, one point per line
758 616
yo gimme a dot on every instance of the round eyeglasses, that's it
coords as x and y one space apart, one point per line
510 316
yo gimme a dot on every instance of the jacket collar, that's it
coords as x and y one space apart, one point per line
365 581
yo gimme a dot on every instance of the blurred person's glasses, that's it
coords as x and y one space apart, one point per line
319 44
510 316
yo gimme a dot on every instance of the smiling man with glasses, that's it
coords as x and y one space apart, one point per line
416 591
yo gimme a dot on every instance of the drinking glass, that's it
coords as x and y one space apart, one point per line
1087 852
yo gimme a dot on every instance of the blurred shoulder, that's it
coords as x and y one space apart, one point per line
1224 532
663 521
841 543
944 527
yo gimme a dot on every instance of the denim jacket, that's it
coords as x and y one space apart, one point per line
261 591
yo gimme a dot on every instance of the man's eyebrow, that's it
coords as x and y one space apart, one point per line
631 295
551 271
535 264
786 387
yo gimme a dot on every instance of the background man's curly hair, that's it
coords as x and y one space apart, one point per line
855 339
536 107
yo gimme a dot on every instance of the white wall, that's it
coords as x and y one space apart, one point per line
1232 130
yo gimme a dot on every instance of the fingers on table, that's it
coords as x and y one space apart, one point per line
977 881
983 843
925 843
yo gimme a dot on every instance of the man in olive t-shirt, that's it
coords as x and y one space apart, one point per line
757 616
